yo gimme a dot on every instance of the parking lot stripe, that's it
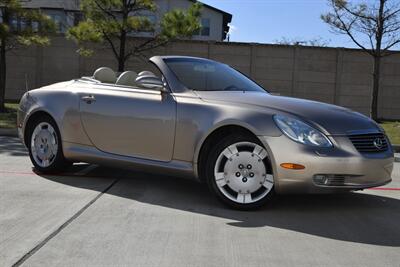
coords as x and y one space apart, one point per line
65 224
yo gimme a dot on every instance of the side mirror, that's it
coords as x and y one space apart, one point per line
151 82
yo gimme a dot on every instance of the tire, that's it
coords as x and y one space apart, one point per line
239 172
44 145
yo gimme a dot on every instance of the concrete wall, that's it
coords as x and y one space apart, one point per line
338 76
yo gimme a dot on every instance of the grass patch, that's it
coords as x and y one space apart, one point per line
392 129
8 119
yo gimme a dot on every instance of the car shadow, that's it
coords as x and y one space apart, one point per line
12 146
354 217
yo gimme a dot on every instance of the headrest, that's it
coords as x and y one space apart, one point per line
127 78
146 73
105 75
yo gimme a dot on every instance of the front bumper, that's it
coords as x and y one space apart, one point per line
21 120
356 171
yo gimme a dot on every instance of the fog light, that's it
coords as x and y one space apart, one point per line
292 166
321 179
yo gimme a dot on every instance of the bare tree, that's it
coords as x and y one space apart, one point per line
317 41
377 23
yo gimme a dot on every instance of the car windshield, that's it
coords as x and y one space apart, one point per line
206 75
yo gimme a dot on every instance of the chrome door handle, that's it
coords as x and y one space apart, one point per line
89 99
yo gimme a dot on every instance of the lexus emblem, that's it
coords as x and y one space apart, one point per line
378 143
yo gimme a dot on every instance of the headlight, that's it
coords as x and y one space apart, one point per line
301 132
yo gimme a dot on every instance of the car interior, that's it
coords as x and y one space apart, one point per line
126 78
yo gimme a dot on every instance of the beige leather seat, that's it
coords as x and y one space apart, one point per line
127 78
105 75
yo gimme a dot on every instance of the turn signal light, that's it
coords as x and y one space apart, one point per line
292 166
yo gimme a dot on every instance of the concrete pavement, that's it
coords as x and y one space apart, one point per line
96 216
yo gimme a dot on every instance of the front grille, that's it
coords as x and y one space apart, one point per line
330 179
336 179
370 143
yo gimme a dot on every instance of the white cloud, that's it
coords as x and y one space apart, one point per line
232 28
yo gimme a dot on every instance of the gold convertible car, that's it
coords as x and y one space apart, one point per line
202 119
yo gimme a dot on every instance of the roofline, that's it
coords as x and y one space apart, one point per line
228 15
213 8
226 18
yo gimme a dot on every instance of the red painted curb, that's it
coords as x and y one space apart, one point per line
385 188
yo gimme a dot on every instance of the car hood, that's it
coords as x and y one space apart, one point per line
331 119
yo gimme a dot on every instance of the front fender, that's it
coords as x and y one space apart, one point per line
62 106
197 119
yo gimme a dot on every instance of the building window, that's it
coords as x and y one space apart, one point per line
78 17
24 24
205 27
35 26
14 24
59 19
18 24
144 31
152 19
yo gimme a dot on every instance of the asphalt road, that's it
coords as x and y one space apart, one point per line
96 216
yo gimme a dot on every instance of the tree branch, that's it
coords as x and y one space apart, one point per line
113 48
387 17
371 42
391 45
359 15
348 32
147 45
389 30
109 13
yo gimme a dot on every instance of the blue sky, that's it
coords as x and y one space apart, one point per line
265 21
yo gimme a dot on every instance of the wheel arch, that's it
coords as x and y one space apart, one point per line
211 139
31 118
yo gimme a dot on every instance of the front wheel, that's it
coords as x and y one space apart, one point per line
239 172
44 146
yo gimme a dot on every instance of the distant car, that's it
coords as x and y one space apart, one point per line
203 119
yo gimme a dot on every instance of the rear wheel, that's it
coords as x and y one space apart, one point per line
239 172
44 144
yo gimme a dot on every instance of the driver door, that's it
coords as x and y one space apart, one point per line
129 122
